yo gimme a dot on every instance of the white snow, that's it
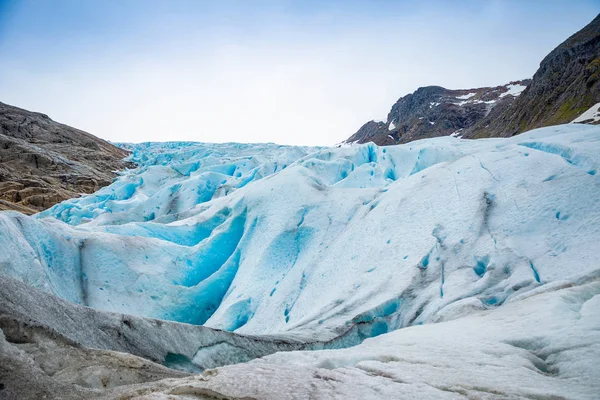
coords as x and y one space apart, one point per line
513 90
466 96
462 103
392 126
590 116
457 133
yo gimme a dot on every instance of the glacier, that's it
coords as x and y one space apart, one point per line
477 256
544 344
321 242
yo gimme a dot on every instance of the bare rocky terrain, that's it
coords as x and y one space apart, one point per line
43 162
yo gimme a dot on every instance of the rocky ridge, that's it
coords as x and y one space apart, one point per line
434 111
566 86
43 162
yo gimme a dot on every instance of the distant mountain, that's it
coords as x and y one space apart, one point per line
436 111
566 86
43 162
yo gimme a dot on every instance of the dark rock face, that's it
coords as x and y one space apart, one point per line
372 131
43 162
566 85
434 111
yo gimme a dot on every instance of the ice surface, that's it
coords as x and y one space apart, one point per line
545 346
174 177
321 243
26 311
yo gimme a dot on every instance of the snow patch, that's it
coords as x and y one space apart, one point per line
457 133
513 90
466 96
590 116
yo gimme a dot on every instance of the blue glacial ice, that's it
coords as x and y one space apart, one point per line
321 242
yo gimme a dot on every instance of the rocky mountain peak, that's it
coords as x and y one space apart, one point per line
565 87
433 111
43 162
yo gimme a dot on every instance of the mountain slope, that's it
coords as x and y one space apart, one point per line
565 86
434 111
43 162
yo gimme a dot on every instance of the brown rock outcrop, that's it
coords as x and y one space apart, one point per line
43 162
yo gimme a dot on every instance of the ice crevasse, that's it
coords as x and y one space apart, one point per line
334 244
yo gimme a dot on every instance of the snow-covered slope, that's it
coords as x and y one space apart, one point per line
321 243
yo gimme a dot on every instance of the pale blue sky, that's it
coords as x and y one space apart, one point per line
294 72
